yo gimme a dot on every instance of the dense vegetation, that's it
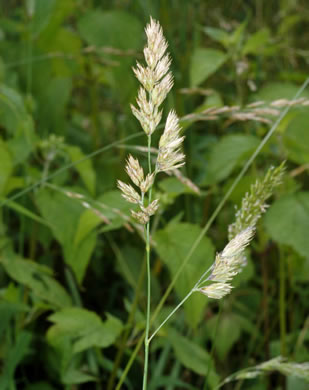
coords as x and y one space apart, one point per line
72 260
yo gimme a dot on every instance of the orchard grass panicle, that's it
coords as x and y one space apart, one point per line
156 81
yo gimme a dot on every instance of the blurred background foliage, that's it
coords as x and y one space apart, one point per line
72 296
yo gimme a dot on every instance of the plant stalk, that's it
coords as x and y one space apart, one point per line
147 236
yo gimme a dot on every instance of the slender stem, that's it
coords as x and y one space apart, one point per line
171 314
213 345
147 234
282 306
129 325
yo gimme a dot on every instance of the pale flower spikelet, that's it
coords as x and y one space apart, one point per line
147 183
128 192
229 262
156 79
216 290
135 171
169 156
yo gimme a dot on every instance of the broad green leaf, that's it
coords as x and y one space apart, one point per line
278 90
14 356
227 154
43 10
73 376
107 29
227 333
7 312
37 278
84 168
78 256
204 63
16 120
6 166
88 221
173 244
53 101
296 138
63 214
174 187
287 221
256 42
217 34
84 328
193 356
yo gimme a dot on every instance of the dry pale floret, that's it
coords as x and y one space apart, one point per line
155 79
169 156
216 290
147 183
229 262
140 216
151 208
128 192
134 170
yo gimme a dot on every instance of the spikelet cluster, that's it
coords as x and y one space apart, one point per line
227 264
129 193
231 260
156 81
253 204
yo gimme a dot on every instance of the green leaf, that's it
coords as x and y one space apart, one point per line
73 376
256 42
84 328
53 102
37 278
192 356
217 34
87 222
173 244
287 221
6 166
227 154
278 90
227 333
42 13
100 28
7 311
204 63
84 168
14 356
296 138
78 256
63 214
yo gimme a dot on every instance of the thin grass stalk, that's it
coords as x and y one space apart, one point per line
147 239
129 323
282 304
213 345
